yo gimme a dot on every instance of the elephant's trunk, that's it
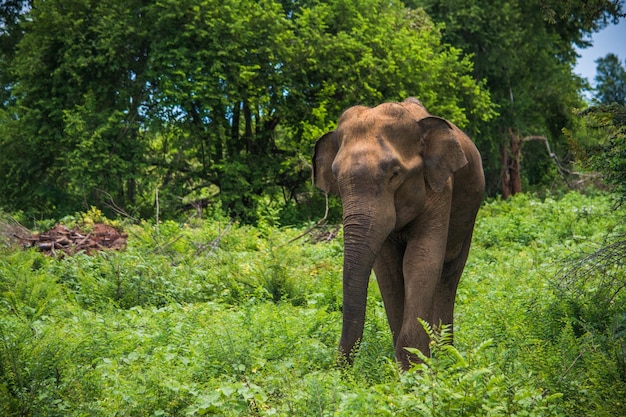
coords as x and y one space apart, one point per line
363 238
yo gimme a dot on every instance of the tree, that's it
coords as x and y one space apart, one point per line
609 118
525 51
205 99
610 80
282 79
74 131
11 16
217 83
608 157
370 51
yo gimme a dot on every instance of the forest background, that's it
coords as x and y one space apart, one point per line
200 103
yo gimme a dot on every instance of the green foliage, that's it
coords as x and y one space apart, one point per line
587 323
551 312
451 383
212 317
525 52
218 103
74 122
205 101
611 80
608 156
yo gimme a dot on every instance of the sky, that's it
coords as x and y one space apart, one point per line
610 39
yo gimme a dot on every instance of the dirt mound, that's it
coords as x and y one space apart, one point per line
70 241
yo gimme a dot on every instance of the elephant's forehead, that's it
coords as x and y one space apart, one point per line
380 136
374 148
369 158
369 125
358 127
371 147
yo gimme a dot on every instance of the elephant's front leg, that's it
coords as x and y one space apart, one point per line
447 285
389 275
423 262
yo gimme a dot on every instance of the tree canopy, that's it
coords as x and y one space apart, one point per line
110 104
525 51
205 99
606 118
611 80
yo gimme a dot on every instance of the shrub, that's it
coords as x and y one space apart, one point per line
585 326
452 383
211 317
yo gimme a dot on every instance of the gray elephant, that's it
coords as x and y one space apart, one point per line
410 185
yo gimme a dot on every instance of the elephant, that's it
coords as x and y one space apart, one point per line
410 185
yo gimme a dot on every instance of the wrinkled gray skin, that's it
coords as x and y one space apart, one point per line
410 185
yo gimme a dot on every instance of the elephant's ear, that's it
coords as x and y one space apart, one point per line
443 154
326 149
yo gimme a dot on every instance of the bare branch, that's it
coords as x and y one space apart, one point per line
564 171
310 229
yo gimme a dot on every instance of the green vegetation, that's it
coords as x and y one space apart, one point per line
611 79
204 100
212 317
218 103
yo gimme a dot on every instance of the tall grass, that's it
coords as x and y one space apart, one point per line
214 318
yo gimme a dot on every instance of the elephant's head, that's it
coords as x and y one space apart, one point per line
382 162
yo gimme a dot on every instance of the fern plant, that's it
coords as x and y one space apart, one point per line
449 382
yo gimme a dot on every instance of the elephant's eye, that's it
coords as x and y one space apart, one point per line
395 173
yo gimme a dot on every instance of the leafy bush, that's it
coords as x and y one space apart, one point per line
452 383
586 321
217 318
609 157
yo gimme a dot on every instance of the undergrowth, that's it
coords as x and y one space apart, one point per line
213 318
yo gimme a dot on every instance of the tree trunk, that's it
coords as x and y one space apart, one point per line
234 130
511 176
248 135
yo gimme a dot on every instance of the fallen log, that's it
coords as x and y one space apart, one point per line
72 241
